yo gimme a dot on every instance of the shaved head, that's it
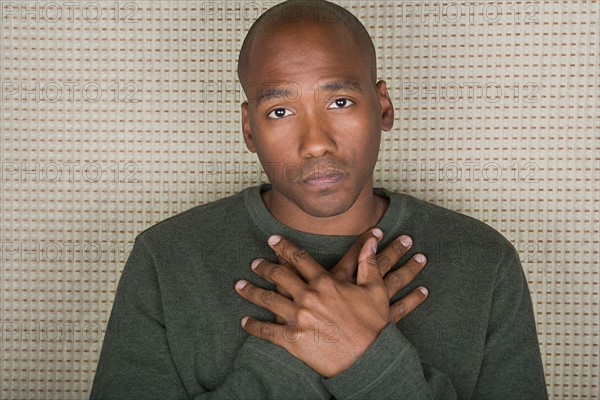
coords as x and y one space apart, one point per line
305 12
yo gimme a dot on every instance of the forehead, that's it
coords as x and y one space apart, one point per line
306 50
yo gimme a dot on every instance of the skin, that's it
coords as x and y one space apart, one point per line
316 127
351 313
318 144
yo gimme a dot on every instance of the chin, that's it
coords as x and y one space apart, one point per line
327 207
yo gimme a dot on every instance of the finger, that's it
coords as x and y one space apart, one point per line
281 261
393 252
264 330
368 270
290 268
284 292
279 275
407 304
346 268
266 299
298 258
394 281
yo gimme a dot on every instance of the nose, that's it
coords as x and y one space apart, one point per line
316 139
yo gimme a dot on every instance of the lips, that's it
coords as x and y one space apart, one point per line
323 178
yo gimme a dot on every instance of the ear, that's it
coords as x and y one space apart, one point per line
246 128
387 108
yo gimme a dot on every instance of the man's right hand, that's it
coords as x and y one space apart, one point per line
346 269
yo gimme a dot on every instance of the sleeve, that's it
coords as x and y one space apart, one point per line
390 369
136 362
511 366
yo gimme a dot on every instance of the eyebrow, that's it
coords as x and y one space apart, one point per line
337 86
334 86
274 93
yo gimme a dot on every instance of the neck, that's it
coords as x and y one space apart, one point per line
365 213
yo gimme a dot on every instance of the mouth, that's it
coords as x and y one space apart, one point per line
320 179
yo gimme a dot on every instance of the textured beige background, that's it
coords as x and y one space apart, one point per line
116 115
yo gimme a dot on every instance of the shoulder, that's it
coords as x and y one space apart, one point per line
198 224
452 231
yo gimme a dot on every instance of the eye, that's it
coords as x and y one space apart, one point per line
279 113
341 103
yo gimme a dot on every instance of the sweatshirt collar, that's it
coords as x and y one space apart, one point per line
324 244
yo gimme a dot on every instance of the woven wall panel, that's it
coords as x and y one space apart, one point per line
116 115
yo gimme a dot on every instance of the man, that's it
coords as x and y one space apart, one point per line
296 262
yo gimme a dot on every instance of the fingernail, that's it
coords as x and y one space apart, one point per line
377 233
374 246
406 241
424 290
244 320
273 240
255 263
420 258
241 284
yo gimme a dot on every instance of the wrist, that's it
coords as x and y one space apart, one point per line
353 353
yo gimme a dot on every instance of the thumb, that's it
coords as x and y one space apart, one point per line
368 270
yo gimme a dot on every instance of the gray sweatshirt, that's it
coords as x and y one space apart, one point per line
174 331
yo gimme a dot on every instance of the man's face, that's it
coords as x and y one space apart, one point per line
314 116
